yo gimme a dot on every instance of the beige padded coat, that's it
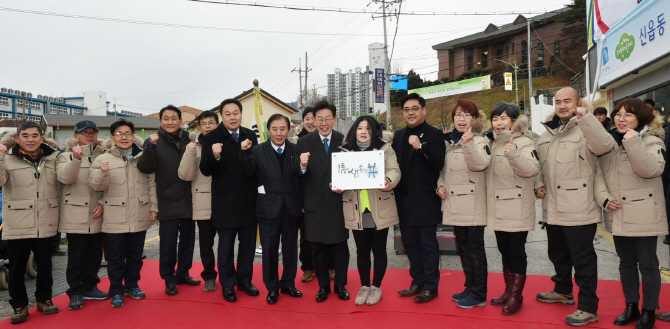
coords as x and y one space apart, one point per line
631 175
464 178
382 204
510 180
29 193
78 199
201 185
568 156
128 194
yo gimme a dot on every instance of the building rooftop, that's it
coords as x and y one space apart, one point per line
493 32
62 120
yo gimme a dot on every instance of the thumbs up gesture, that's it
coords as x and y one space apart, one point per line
467 136
510 146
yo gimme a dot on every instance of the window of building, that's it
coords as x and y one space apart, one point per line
485 60
4 101
470 62
540 50
19 103
499 53
54 109
4 115
63 110
35 119
77 112
507 50
557 49
524 52
513 48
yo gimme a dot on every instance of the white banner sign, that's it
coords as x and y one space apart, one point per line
454 88
358 170
508 81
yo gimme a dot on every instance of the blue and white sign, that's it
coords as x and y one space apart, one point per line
379 85
636 40
398 82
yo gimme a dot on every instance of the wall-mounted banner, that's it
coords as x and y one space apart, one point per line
455 88
638 39
379 85
358 170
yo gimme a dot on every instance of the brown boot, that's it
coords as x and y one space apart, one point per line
515 300
500 301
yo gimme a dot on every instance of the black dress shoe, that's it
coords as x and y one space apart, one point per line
322 295
188 280
272 297
292 291
58 252
425 296
632 313
229 294
342 293
647 319
411 291
248 289
667 239
171 289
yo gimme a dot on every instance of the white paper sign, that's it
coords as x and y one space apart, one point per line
358 170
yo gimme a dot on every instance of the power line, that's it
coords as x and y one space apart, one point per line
363 11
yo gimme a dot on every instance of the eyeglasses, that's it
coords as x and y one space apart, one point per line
122 135
463 115
627 116
411 109
207 123
88 133
322 120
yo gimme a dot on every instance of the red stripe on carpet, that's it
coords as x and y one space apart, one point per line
193 308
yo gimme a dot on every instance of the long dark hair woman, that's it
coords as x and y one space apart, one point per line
370 213
629 188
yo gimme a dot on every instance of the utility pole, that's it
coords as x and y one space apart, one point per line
306 70
387 98
301 99
530 66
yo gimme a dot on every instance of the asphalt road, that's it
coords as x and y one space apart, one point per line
536 249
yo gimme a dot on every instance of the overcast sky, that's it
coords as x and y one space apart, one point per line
147 66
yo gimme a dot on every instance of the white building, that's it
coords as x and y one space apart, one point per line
349 92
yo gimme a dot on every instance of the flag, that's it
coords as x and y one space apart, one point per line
258 111
601 15
254 127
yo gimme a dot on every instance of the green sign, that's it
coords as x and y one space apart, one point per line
455 88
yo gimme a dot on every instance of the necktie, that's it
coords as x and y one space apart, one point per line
325 144
235 136
279 150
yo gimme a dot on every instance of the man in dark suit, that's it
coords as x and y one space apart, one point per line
324 217
420 150
278 206
233 199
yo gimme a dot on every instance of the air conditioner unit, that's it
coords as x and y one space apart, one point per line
17 92
4 90
30 94
51 99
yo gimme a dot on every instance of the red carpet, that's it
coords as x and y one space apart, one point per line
194 308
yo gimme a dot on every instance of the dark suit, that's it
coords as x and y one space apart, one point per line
418 204
278 209
233 204
324 217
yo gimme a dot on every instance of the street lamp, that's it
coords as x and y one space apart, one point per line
516 78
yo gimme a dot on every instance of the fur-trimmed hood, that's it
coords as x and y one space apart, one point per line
478 128
10 142
520 127
108 144
194 136
72 142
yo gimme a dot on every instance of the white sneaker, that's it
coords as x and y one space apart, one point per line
375 295
362 296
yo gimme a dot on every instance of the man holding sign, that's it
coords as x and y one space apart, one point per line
324 215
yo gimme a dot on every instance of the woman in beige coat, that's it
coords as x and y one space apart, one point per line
129 200
629 188
462 186
370 213
510 181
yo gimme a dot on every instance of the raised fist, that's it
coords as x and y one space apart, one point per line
191 145
3 148
216 149
153 138
104 166
630 134
77 151
304 159
581 112
246 144
415 142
